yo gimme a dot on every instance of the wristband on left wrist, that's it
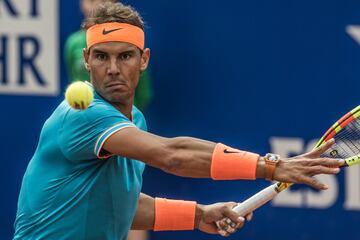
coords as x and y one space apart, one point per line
174 214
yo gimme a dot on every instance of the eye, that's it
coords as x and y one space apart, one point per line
101 56
125 56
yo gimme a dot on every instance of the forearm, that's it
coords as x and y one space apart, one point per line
190 157
145 213
193 158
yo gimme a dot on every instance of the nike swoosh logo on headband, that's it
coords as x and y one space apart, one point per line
104 32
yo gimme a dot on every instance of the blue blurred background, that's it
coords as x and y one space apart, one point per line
258 75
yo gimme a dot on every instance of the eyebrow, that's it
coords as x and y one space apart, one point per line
98 51
128 51
95 51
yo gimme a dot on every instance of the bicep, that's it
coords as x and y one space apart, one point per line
137 144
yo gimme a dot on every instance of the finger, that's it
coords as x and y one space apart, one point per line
328 162
230 230
223 233
229 226
321 149
230 223
233 229
249 216
222 224
313 182
241 222
218 224
220 230
334 162
223 228
239 225
235 225
234 216
315 170
232 204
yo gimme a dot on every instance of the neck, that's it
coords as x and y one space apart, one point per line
124 108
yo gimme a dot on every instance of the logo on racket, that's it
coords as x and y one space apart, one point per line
333 153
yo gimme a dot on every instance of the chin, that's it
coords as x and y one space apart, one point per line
118 98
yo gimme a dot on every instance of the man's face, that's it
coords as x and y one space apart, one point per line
115 69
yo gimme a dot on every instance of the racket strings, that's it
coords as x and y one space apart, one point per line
346 141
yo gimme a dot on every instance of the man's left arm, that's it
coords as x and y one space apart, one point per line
173 214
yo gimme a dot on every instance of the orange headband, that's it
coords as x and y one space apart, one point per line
115 32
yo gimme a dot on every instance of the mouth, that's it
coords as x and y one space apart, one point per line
115 84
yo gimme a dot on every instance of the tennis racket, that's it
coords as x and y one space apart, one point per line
346 132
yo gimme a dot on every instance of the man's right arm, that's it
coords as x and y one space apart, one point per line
182 156
191 157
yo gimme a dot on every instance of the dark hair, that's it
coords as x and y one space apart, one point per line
113 12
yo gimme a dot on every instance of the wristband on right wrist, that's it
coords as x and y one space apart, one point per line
230 164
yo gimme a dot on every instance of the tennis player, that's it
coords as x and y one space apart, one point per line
84 180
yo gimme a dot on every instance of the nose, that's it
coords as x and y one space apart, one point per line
113 68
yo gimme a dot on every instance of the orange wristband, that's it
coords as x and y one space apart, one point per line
174 215
229 164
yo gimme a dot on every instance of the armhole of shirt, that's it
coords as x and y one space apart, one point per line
105 135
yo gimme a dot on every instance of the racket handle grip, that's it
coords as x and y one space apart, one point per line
257 200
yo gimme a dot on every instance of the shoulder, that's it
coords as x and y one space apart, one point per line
100 110
99 113
139 119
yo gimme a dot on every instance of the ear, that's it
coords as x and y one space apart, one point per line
86 59
145 57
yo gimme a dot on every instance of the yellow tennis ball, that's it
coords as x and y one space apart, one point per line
79 95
